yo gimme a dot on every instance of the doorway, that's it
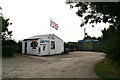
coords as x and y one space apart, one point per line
25 47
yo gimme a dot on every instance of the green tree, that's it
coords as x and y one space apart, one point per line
87 37
6 34
72 46
94 12
4 23
8 45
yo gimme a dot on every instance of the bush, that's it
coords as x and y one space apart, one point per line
108 69
7 51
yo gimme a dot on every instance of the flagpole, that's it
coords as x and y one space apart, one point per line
50 39
50 26
54 25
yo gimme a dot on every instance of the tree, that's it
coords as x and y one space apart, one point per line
8 45
87 37
109 12
72 46
4 23
6 34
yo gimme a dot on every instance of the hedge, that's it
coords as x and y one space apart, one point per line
7 51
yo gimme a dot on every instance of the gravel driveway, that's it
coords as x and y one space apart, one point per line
73 65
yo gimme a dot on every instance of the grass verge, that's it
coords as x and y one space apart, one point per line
108 69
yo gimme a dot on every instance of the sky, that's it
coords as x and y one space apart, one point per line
32 17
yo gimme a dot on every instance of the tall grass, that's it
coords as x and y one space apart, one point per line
108 69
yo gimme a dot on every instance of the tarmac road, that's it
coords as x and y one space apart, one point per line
73 65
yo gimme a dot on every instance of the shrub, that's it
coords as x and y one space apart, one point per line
108 69
7 51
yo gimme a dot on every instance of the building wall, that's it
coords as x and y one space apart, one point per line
88 46
96 46
59 46
23 47
30 50
43 51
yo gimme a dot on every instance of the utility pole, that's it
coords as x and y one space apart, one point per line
85 32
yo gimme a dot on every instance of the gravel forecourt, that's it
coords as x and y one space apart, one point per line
78 64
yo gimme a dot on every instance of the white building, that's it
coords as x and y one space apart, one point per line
43 45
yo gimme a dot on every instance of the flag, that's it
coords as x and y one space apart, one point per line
54 25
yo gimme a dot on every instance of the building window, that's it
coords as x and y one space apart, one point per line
34 45
52 44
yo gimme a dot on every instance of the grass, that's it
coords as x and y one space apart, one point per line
108 69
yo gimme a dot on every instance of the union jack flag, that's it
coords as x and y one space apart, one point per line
54 25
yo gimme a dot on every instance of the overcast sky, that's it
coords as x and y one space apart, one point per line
32 17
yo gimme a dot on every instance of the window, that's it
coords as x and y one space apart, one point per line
34 45
52 44
43 41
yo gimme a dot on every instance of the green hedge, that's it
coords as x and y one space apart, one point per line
7 51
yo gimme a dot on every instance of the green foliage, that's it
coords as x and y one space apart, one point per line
107 13
111 43
87 37
108 69
9 43
6 34
7 51
12 46
9 46
98 12
72 46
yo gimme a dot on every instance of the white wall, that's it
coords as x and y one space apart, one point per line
59 46
29 48
41 45
23 47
